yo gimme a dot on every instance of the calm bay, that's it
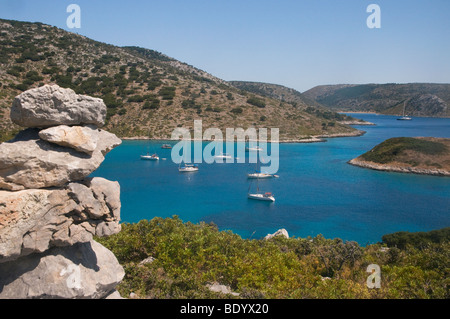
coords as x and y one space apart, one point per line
317 192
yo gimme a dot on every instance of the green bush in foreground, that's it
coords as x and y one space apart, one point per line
190 256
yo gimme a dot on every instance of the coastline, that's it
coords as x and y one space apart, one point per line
398 169
311 139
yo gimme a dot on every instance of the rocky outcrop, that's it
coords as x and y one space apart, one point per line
67 273
281 232
398 168
80 138
51 105
50 210
30 162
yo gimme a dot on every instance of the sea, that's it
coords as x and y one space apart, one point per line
317 191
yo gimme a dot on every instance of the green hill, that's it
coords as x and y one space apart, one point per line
148 94
417 99
422 155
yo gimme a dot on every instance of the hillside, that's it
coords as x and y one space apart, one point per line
418 99
422 155
276 91
297 100
148 94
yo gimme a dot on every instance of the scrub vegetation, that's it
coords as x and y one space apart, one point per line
186 257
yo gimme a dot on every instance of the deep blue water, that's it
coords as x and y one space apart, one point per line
317 192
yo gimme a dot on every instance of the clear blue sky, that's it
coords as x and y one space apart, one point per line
297 43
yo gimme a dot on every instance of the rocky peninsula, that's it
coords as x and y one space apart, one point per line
50 209
420 155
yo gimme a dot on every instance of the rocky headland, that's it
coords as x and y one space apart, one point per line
50 209
421 155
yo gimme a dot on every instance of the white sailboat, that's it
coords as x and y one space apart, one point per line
188 168
261 175
404 117
262 196
223 156
267 197
258 174
149 157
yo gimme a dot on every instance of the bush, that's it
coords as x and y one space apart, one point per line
419 239
256 102
152 104
167 92
237 110
34 76
111 102
136 99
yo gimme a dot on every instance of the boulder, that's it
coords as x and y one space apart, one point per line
82 271
216 287
80 138
32 221
51 105
28 162
281 232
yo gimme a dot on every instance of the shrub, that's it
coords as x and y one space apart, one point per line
256 102
237 110
167 92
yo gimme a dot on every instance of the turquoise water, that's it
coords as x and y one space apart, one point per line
317 192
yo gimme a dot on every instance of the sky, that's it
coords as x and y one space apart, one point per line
296 43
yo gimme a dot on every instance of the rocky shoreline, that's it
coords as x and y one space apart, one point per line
312 139
398 168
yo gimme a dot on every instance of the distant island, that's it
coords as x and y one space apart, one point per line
419 155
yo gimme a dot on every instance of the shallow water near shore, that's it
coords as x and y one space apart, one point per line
317 192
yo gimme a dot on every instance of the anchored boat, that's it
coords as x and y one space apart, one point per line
188 168
149 157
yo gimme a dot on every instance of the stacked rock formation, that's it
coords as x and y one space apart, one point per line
50 209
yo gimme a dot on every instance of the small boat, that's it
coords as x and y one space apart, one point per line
261 175
224 156
268 197
187 168
258 174
404 117
149 157
166 146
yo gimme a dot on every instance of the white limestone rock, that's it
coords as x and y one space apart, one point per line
281 232
80 138
33 221
82 271
51 105
28 162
